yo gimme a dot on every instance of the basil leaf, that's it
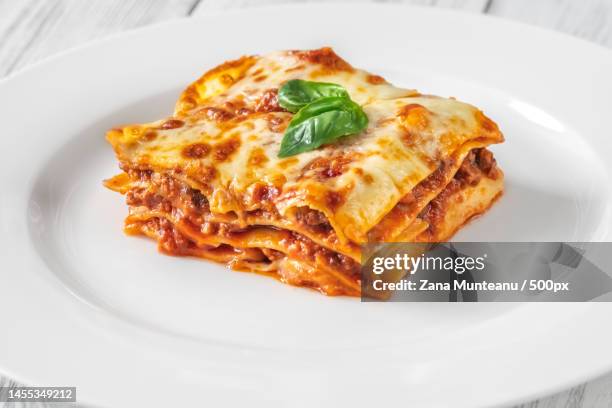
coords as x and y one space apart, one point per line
297 93
322 121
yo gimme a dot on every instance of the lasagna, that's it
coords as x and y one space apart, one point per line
208 181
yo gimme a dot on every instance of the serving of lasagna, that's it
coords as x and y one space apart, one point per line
210 181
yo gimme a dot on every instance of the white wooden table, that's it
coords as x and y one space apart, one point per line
33 29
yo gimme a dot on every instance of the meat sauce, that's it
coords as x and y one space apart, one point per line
166 194
477 164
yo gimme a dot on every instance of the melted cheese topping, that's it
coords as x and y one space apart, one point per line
227 127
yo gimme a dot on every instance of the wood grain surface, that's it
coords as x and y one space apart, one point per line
31 30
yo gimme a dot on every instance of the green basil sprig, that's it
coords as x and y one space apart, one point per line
325 113
297 93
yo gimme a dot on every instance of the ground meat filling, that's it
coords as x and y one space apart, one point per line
165 194
301 247
477 164
469 173
173 242
487 163
170 239
312 219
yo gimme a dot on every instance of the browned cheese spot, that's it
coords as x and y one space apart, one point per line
325 57
172 124
330 167
375 79
226 79
414 116
196 150
268 102
366 177
235 108
278 124
222 151
257 157
216 114
298 67
150 135
188 100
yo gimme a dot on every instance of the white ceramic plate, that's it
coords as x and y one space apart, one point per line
84 305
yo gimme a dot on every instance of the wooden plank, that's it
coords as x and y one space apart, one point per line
598 393
589 19
572 398
594 394
205 6
33 29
